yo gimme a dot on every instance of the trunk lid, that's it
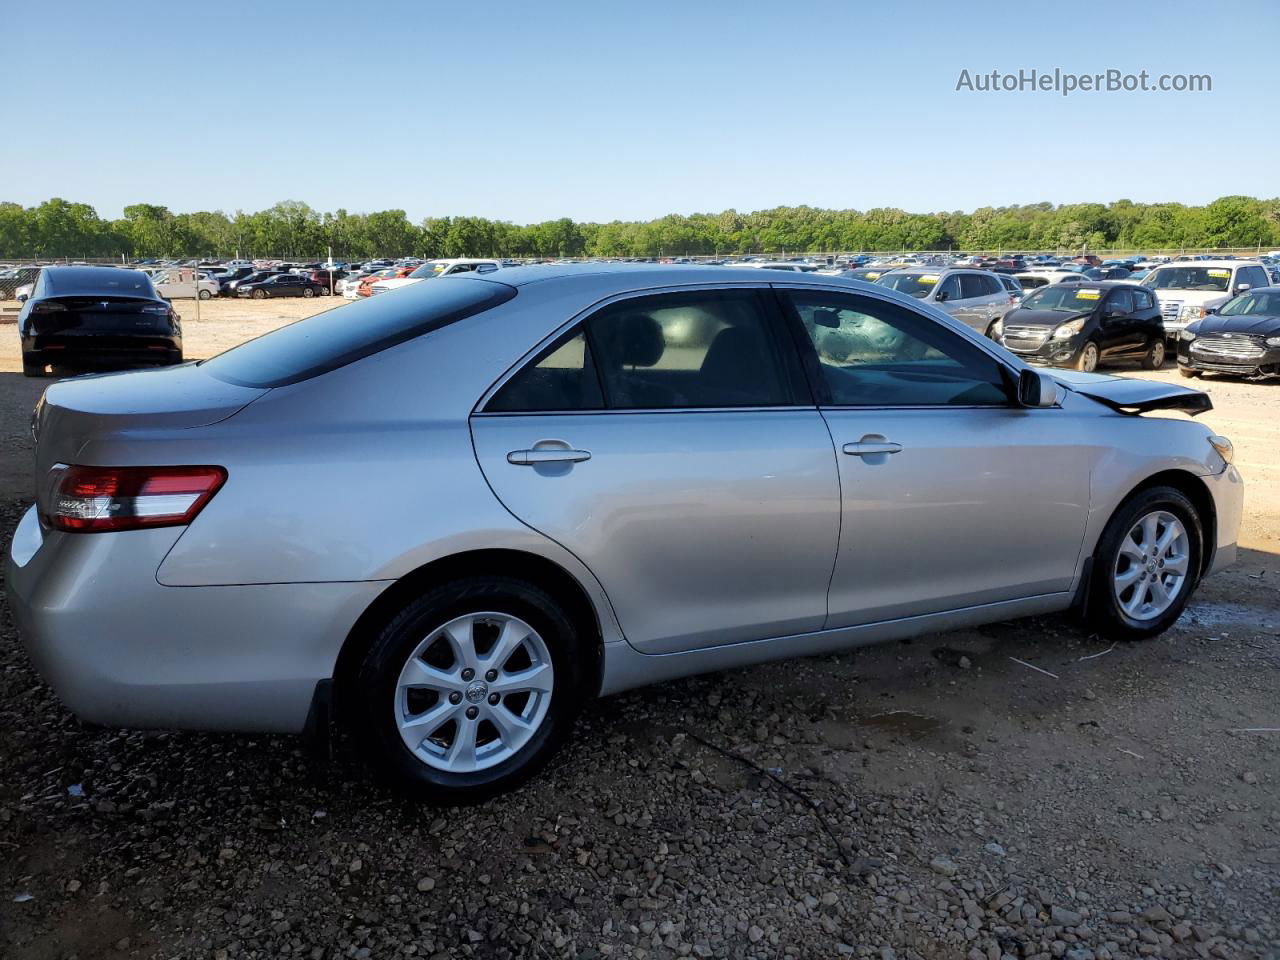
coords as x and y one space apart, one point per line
75 413
1125 395
91 316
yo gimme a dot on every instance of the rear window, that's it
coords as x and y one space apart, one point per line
344 335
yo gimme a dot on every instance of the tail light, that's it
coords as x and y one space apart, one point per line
48 306
99 499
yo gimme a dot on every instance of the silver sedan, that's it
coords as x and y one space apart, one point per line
448 516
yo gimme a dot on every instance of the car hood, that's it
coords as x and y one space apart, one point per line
1260 324
1125 395
1045 318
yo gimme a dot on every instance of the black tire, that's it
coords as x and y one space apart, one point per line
1083 362
32 366
175 360
373 688
308 292
1105 613
1189 374
204 295
259 294
1155 355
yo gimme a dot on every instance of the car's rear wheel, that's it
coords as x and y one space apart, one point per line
308 292
259 294
1189 374
1087 361
1146 565
32 366
469 690
1153 359
204 294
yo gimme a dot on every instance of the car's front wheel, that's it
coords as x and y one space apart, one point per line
1153 359
1087 361
1146 566
204 294
469 690
308 292
259 294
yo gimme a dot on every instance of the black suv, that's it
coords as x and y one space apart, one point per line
1083 324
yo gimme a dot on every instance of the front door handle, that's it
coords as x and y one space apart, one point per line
531 458
871 446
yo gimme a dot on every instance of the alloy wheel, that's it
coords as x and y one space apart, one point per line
1151 566
474 692
1089 358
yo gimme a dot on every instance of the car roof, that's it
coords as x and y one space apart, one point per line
1226 264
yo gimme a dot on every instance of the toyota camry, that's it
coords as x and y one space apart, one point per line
448 516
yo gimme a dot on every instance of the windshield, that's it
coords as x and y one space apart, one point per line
1189 278
429 269
918 285
1069 298
1260 304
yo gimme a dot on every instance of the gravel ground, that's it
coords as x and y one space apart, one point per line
927 799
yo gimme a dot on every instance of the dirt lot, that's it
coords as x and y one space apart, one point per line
925 799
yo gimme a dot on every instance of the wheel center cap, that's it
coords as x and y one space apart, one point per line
476 691
1151 568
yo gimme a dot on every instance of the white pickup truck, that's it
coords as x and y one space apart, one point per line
1188 290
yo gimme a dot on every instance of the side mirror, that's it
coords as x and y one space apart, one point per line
1241 288
941 297
1210 310
1037 389
22 298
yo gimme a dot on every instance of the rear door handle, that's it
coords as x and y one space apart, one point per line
531 458
866 448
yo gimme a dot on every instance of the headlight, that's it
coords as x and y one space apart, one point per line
1223 446
1192 313
1273 341
1187 334
1068 329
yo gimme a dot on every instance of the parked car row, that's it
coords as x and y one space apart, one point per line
1081 318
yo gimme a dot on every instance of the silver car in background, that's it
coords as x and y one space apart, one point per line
452 514
977 298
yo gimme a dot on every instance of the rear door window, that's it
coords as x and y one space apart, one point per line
973 286
706 348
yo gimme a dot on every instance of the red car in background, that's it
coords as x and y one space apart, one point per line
389 274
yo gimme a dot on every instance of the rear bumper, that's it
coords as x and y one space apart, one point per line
102 351
121 650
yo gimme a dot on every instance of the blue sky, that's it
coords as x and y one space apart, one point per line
609 110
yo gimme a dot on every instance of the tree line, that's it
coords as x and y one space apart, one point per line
59 228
